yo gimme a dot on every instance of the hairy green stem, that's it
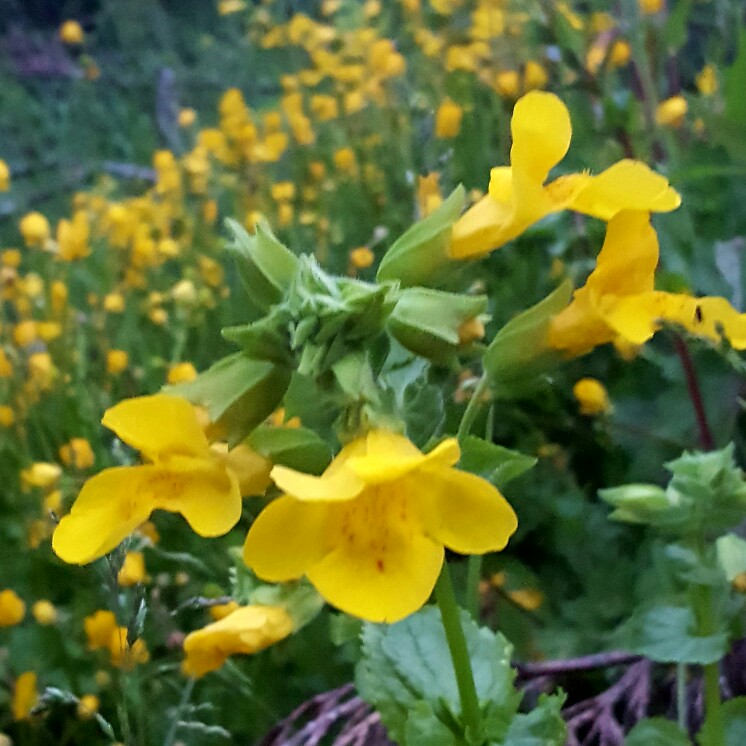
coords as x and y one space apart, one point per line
703 602
472 408
681 707
456 639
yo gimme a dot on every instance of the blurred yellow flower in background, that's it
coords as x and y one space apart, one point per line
591 396
12 608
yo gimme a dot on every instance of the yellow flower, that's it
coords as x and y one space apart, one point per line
116 361
707 80
671 112
77 453
40 474
25 695
7 415
71 32
650 7
448 119
34 228
246 630
99 627
362 257
44 612
220 611
518 197
124 655
132 571
181 372
619 304
591 396
534 75
184 476
88 706
370 532
12 609
4 176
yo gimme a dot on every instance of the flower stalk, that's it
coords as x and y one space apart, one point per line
456 639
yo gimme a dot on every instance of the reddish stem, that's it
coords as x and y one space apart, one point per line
695 393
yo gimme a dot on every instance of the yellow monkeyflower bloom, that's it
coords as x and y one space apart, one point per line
77 454
25 695
448 119
4 176
707 80
183 476
71 32
12 608
132 571
671 112
370 532
44 612
87 707
246 630
591 396
619 304
123 655
99 627
34 228
518 196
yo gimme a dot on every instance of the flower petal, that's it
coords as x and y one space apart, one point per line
380 587
627 185
203 491
107 510
628 258
390 456
157 425
463 511
481 229
637 318
287 538
331 486
251 468
541 132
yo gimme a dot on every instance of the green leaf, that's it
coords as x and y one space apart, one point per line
733 713
667 634
420 255
423 411
734 86
296 447
676 28
493 462
543 726
731 551
239 393
265 265
409 662
657 732
519 353
423 728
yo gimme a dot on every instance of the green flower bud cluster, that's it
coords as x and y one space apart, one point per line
324 327
706 496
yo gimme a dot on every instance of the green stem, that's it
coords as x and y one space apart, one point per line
706 623
456 639
186 695
472 408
